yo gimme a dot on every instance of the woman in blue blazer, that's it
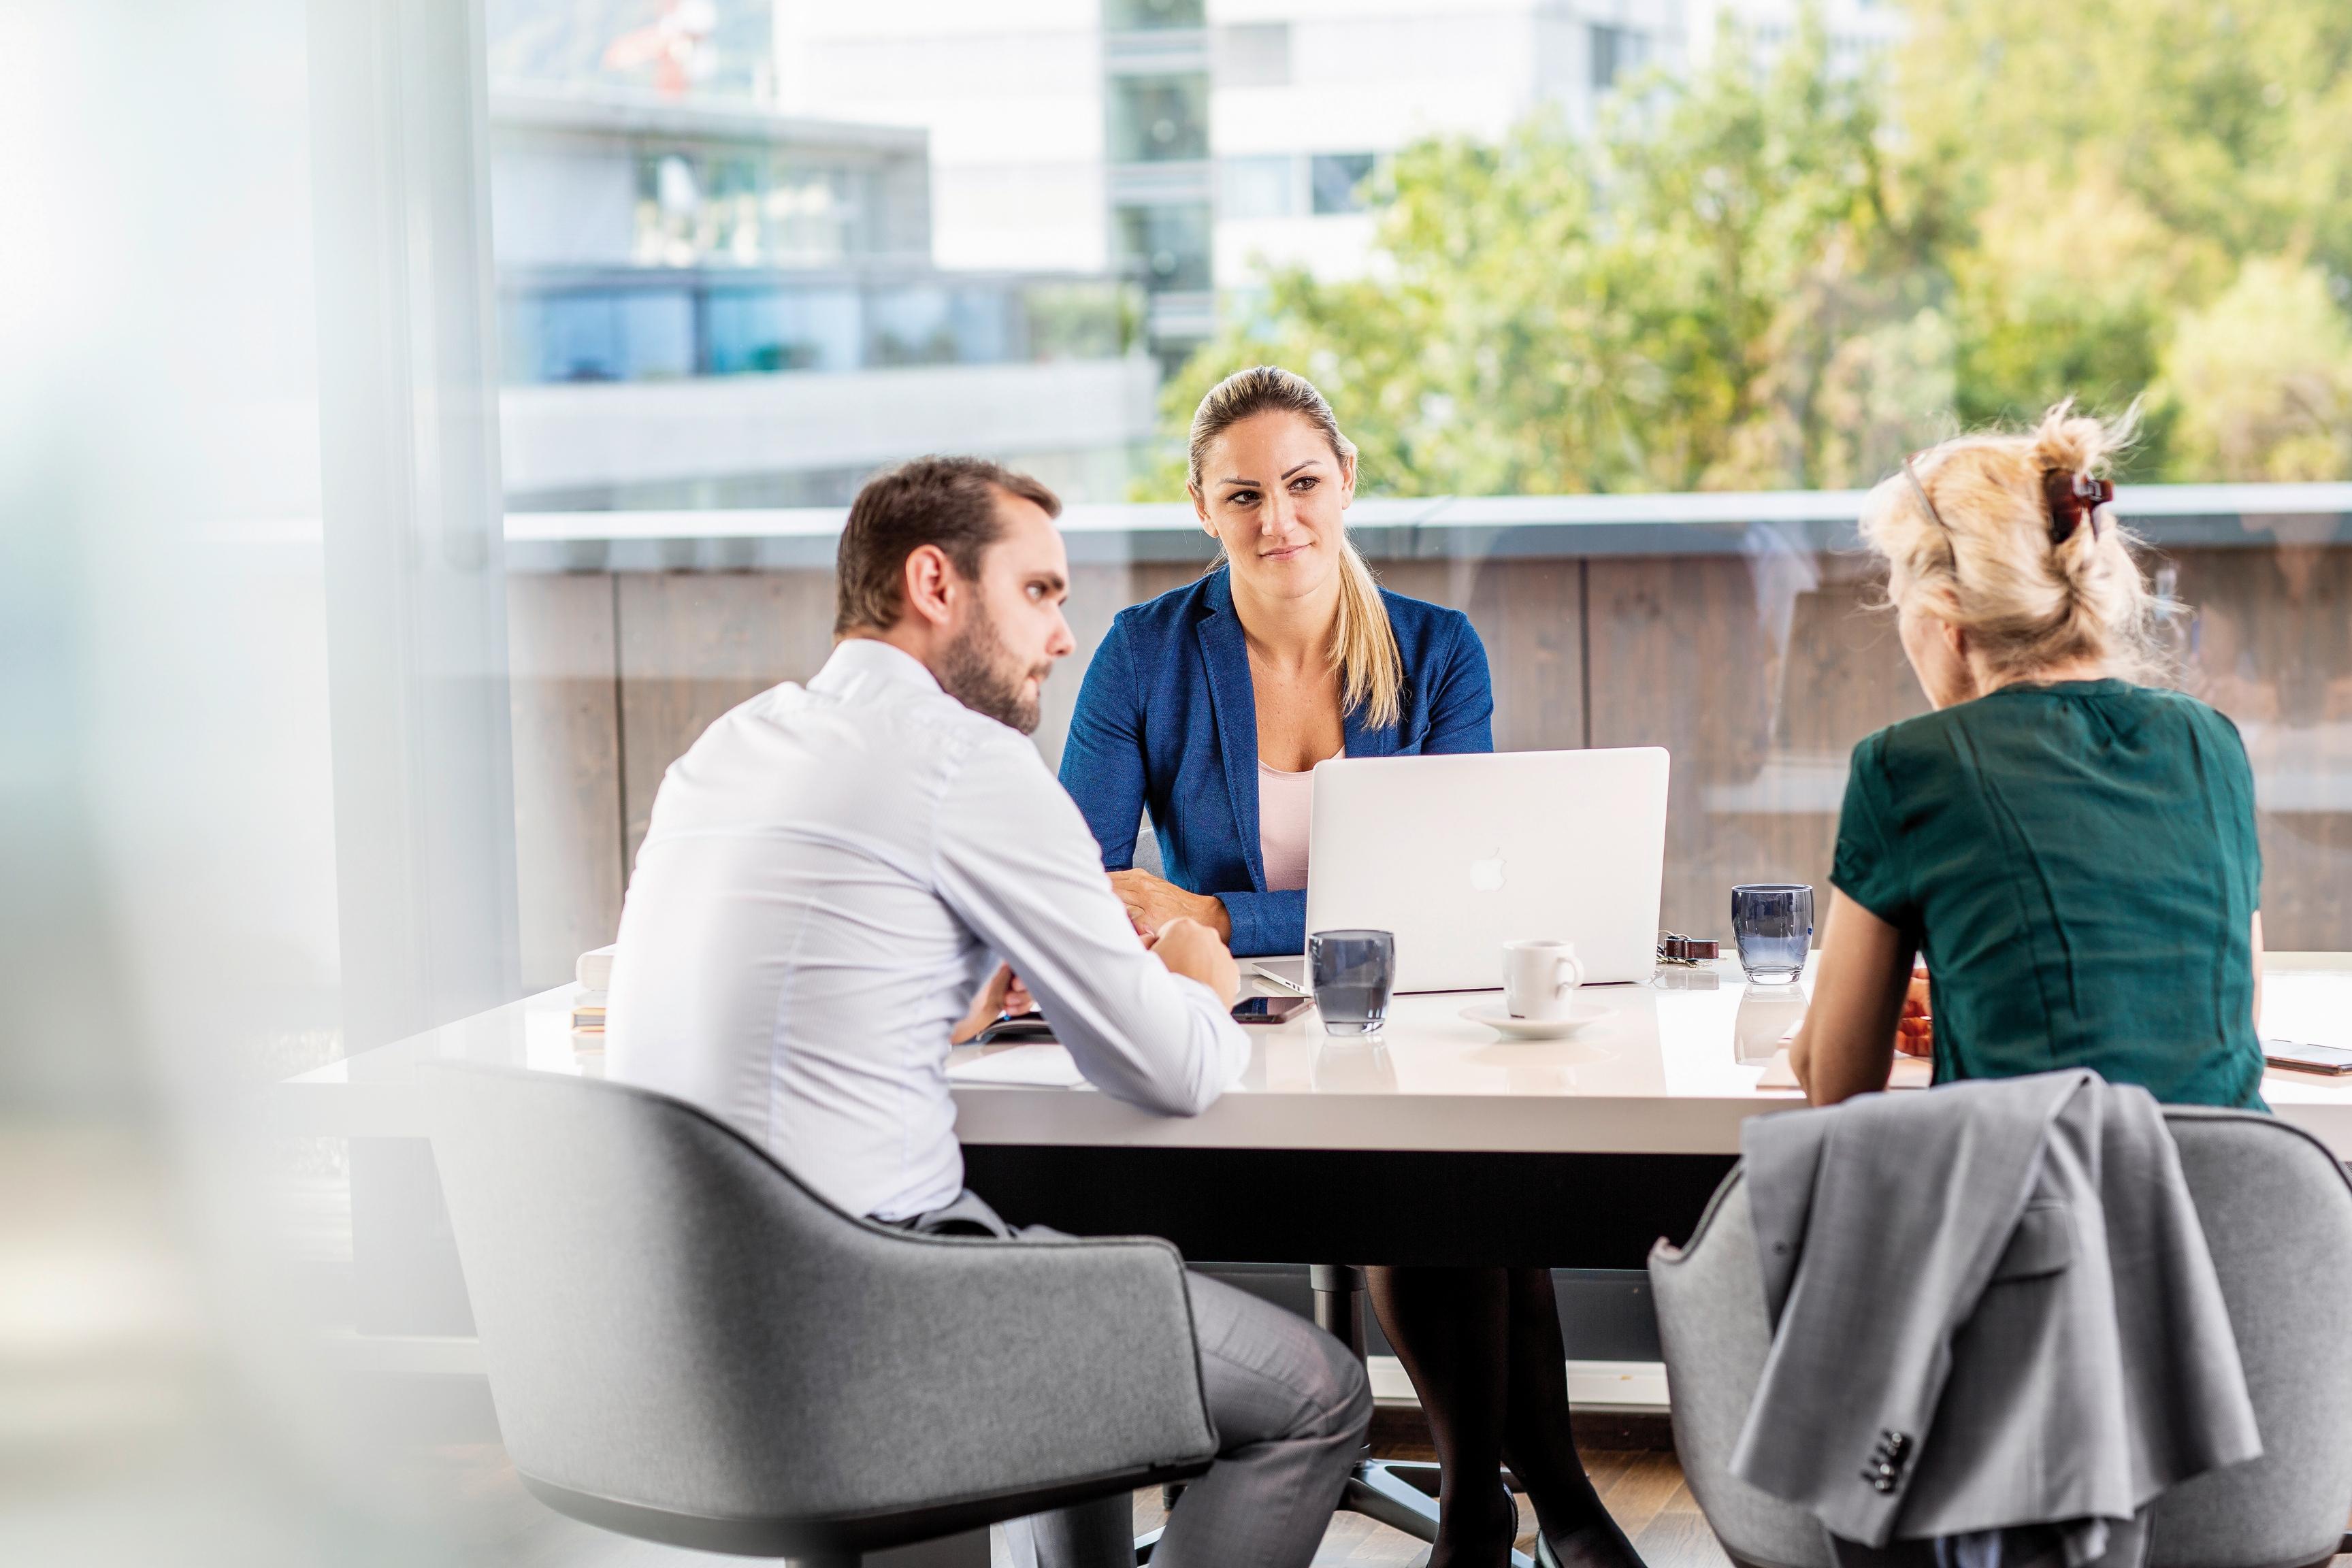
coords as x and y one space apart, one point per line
1211 706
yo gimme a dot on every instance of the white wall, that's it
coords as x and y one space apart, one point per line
1012 94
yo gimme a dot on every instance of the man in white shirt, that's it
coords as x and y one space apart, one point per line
842 879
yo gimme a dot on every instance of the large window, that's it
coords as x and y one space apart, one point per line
1621 313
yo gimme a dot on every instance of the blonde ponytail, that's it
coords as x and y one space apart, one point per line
1363 644
2007 537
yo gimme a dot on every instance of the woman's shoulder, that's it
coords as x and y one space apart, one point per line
1164 614
1926 736
2188 709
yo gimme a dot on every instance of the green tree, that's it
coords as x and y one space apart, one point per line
2114 166
1764 281
2260 381
1660 308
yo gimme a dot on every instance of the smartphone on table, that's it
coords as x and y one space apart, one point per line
2332 1060
1268 1009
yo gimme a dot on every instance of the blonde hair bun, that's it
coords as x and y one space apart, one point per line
2014 543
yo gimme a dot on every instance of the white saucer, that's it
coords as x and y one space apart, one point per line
1496 1017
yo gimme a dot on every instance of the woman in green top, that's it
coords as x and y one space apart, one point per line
2072 851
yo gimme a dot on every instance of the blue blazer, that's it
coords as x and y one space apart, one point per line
1167 718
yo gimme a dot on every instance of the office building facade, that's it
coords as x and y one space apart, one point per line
1191 145
705 302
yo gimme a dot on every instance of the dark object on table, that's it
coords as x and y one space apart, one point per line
1676 948
1027 1028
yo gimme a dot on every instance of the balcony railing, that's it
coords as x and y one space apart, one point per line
1460 527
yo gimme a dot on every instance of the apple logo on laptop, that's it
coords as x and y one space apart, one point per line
1486 874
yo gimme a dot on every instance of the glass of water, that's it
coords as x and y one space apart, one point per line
1352 973
1773 923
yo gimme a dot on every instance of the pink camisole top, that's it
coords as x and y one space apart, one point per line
1285 803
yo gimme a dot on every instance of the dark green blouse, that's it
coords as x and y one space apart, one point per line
2078 864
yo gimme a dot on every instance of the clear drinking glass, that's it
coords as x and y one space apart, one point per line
1773 923
1351 973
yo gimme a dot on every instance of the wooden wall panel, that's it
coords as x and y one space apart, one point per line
567 777
1758 675
1531 616
2269 641
1758 671
694 645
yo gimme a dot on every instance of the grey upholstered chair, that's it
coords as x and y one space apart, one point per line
2277 1212
686 1344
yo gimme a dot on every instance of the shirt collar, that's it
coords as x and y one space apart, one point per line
857 660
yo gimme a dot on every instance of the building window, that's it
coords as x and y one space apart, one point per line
1159 119
1614 52
1253 54
1166 246
1336 181
1150 16
1262 186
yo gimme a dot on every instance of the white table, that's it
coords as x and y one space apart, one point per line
1668 1071
1628 1124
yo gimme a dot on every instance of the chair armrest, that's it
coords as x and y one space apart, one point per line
983 1366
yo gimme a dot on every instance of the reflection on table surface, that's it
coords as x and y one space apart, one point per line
1670 1065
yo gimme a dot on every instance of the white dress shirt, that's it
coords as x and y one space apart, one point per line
830 873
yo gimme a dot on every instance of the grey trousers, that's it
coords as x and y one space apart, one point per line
1290 1406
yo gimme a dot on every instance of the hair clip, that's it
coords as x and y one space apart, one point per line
2073 499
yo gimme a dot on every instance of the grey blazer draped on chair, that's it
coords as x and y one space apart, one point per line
1993 1307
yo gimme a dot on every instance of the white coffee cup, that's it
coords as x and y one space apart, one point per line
1539 978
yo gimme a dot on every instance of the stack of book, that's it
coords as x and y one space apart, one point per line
595 973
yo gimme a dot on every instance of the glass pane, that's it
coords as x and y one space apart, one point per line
1158 118
1651 520
701 49
1337 180
1166 246
1259 187
1124 16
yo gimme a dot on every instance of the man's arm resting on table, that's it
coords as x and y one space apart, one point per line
1191 949
1015 860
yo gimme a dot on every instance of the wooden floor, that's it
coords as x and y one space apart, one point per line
1629 1459
1645 1490
504 1526
1643 1486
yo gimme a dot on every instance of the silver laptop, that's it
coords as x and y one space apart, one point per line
1458 855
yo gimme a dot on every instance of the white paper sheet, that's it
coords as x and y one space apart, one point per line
1025 1067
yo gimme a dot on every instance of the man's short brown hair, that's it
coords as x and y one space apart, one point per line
949 502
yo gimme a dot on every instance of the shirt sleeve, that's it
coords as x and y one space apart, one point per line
1014 859
1869 866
